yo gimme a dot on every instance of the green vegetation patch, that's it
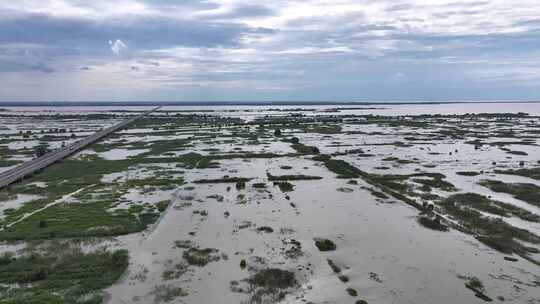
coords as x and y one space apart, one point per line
78 220
224 180
437 182
200 257
432 223
270 284
493 232
342 168
529 193
397 160
92 214
167 293
65 277
522 153
474 284
531 173
468 173
291 177
305 150
325 244
485 204
284 186
335 268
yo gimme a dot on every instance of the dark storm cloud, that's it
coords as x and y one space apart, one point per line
399 7
161 4
246 11
15 66
137 31
197 4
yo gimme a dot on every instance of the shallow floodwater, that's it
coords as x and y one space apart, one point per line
385 254
257 111
118 154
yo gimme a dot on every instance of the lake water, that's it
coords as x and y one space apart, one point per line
250 110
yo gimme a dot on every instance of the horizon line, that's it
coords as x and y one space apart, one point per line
244 103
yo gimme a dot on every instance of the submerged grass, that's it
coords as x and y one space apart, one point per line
305 150
291 177
529 193
284 186
270 285
493 232
224 180
530 172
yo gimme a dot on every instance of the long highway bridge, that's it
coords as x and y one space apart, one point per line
18 173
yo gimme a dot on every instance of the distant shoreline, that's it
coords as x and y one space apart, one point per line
238 103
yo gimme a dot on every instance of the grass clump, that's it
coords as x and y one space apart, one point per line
352 292
379 194
529 193
398 160
305 150
342 168
432 223
291 177
284 186
265 229
167 293
531 173
175 272
224 180
494 233
273 278
436 182
522 153
332 264
483 203
270 285
468 173
477 287
259 185
162 205
200 257
325 244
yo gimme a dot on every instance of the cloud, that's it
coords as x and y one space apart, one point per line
243 11
117 46
141 32
312 50
235 49
197 4
14 66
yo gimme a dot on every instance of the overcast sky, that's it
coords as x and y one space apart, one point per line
239 50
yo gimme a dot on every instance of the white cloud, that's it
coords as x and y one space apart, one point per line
314 50
117 46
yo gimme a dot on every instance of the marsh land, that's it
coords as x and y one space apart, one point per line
289 204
